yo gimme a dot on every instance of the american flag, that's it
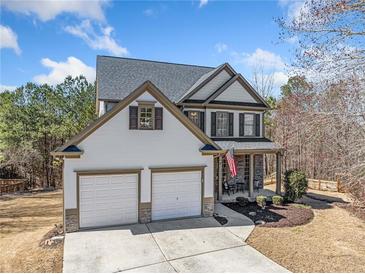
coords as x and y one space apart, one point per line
231 162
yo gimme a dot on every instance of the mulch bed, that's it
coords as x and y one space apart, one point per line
220 219
287 215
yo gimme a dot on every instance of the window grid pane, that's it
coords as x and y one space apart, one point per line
194 117
249 125
146 118
222 124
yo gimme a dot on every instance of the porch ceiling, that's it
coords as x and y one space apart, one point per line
269 147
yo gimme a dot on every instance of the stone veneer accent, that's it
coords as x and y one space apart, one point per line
259 171
208 206
71 220
144 214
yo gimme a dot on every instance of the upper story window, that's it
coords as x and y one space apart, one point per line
145 116
194 116
197 117
249 124
222 124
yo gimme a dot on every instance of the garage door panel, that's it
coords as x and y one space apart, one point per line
108 200
176 194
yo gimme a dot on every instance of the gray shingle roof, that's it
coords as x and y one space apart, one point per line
117 77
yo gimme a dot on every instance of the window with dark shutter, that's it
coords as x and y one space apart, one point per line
158 118
202 121
213 124
257 125
241 124
133 117
230 124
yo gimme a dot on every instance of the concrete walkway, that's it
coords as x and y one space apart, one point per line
187 245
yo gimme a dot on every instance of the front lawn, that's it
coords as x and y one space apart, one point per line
334 241
24 220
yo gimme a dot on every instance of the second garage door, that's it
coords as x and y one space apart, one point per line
107 200
176 194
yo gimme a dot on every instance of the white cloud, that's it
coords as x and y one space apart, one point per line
149 12
9 39
47 10
294 8
292 40
220 47
262 58
279 78
100 39
202 3
9 88
60 70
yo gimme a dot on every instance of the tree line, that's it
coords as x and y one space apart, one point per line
34 120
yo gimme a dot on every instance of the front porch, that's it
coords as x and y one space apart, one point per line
249 181
231 197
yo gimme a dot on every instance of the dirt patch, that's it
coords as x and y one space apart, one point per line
275 215
49 240
334 241
24 221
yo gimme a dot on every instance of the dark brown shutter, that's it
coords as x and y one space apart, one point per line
186 113
133 117
158 118
263 125
213 124
230 124
257 124
241 124
202 120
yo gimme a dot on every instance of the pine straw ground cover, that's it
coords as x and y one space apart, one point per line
24 221
276 215
334 241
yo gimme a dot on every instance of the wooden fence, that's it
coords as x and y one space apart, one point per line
12 185
316 184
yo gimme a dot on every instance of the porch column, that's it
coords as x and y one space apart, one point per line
278 173
220 177
250 185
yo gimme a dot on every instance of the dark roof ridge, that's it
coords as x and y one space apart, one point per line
153 61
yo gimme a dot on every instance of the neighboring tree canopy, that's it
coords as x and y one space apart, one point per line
35 119
330 34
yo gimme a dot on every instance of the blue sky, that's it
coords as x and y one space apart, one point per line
44 41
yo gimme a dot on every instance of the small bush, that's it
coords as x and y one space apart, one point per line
277 200
242 201
295 184
261 201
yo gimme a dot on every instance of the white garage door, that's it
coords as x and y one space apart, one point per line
107 200
176 194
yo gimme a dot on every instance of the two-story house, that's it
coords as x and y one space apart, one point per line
157 150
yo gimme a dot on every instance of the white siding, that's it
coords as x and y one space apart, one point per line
236 93
114 146
211 86
101 108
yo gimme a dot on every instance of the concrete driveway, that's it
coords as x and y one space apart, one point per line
187 245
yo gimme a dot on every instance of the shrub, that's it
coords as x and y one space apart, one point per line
295 184
242 201
277 200
261 201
